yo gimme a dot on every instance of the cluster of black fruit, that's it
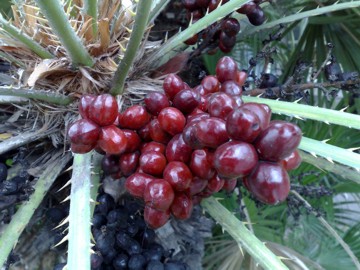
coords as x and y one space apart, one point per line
224 32
124 241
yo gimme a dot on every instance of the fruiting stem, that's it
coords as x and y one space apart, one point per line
257 249
91 9
79 216
331 231
95 179
338 169
23 215
59 22
140 24
177 40
155 11
25 39
42 95
309 112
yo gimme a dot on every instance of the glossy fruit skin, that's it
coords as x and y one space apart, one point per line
278 141
136 183
153 146
241 77
235 159
157 134
200 165
186 100
247 8
112 140
189 137
262 111
159 194
133 140
269 182
110 164
103 110
134 117
228 42
215 184
155 102
231 88
190 4
226 69
229 185
172 85
152 162
84 131
155 218
230 26
210 84
81 148
172 120
220 105
243 125
178 175
257 16
84 105
128 163
211 132
291 162
182 206
197 185
178 150
144 133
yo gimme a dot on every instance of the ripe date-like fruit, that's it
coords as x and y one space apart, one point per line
211 132
226 69
269 182
136 183
229 185
220 105
235 159
182 206
241 77
178 150
103 110
159 194
153 146
134 117
214 185
172 85
84 131
81 148
278 141
210 84
197 185
155 102
230 26
171 120
231 88
133 140
262 111
178 175
152 162
157 134
256 16
200 164
155 218
84 105
129 162
112 140
186 100
243 125
291 162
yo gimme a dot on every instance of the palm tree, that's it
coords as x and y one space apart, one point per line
61 50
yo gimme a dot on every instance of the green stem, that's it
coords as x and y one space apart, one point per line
242 235
330 152
12 59
42 95
338 169
155 11
23 38
177 40
311 112
55 14
91 9
301 15
140 24
331 231
95 179
23 215
79 236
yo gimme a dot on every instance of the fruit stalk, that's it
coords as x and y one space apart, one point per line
23 215
242 235
141 20
90 8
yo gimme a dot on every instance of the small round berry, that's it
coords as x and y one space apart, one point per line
256 16
84 105
153 146
172 120
182 206
134 117
172 85
110 164
211 132
291 162
136 183
155 102
178 175
210 84
197 185
226 69
262 111
112 140
220 105
152 162
178 150
229 185
230 26
81 148
215 184
241 77
231 88
200 164
186 100
84 131
159 194
133 140
155 218
157 134
129 162
103 110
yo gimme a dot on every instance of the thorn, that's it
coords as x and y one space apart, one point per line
223 230
122 47
219 199
297 101
327 122
313 154
203 212
298 117
62 241
128 29
353 149
69 169
241 250
92 252
258 96
132 13
66 199
93 201
330 160
191 20
64 186
66 220
343 109
326 140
